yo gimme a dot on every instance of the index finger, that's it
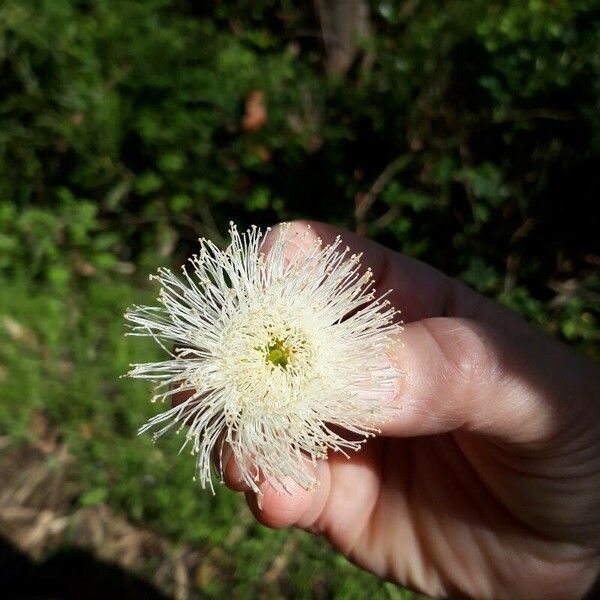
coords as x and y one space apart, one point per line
419 290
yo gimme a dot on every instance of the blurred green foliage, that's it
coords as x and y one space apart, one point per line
465 134
122 136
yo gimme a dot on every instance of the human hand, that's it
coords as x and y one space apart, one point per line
486 481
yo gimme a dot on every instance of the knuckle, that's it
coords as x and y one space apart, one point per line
466 349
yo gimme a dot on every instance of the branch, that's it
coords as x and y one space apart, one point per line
380 183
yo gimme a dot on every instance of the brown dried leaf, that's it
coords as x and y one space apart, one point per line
255 115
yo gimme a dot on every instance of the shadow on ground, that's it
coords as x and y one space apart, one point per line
69 573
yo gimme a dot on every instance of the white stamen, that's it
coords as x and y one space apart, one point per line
273 349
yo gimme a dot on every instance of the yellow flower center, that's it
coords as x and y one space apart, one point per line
279 354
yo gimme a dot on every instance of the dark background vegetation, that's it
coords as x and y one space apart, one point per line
464 133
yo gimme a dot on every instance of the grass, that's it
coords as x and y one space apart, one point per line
62 355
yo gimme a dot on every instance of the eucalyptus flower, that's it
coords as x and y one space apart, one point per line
281 353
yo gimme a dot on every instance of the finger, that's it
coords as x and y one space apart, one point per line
180 396
232 473
508 382
419 290
339 506
296 507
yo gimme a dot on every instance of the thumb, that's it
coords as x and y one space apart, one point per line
508 382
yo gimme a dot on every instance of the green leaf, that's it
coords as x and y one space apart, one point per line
93 497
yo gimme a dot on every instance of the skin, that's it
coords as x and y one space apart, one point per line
485 482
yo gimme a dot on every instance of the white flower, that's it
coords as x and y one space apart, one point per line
278 352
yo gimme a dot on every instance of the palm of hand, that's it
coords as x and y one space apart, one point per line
417 511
